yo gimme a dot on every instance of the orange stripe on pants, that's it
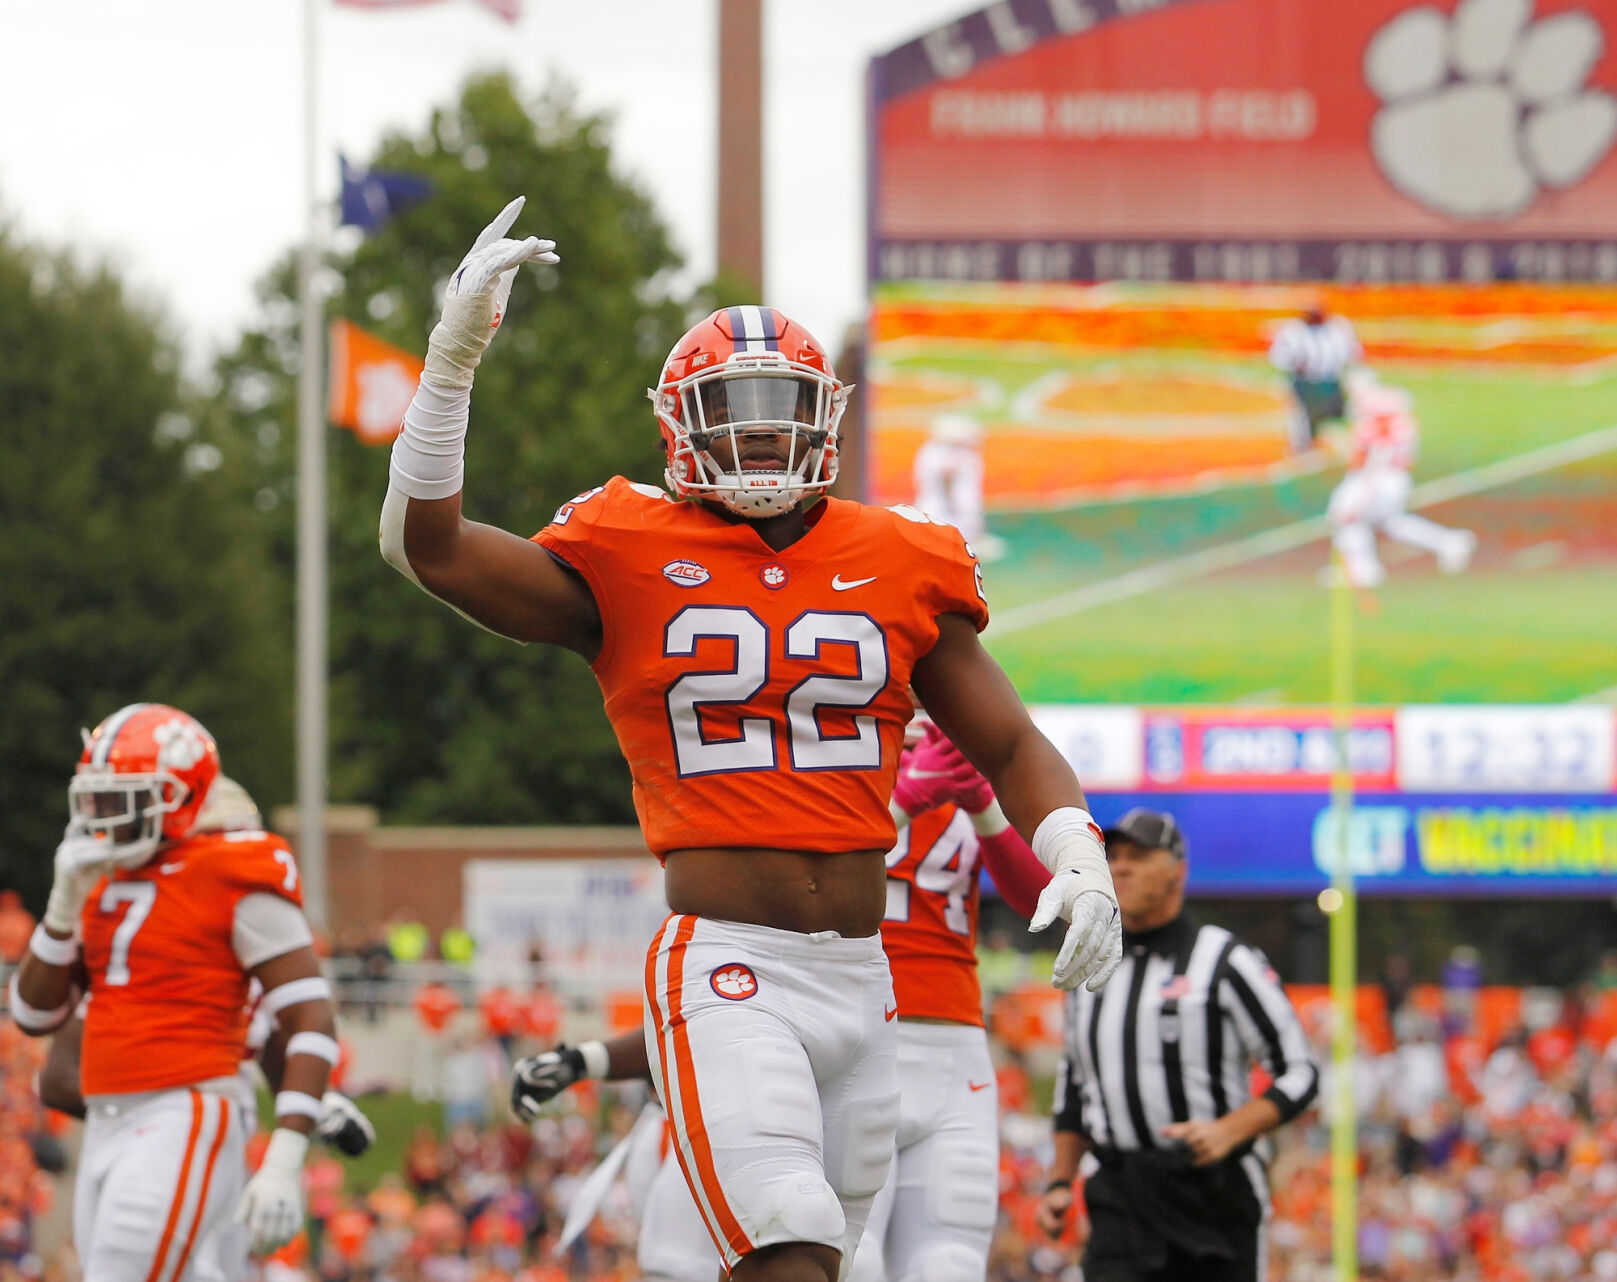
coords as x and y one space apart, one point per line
690 1102
179 1192
207 1179
728 1230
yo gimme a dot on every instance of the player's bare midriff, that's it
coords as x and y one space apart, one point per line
793 890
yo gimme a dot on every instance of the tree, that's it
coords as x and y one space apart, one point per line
112 586
433 719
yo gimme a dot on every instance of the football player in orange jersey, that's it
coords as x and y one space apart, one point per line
221 1255
168 926
933 1220
754 640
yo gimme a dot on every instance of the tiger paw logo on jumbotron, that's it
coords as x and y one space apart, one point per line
734 982
1483 111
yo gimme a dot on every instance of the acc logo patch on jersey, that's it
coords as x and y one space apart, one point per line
734 981
687 574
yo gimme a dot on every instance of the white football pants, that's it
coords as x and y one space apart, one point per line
158 1173
774 1055
1372 499
933 1220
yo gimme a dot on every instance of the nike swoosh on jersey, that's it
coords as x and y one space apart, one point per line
978 1086
168 868
839 584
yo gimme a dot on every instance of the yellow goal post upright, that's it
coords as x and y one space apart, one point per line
1340 903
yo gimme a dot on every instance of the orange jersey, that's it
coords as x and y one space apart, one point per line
169 996
930 930
760 696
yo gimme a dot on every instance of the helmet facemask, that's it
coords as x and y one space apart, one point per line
126 810
757 433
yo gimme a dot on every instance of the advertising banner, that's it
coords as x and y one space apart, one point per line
1248 140
1286 843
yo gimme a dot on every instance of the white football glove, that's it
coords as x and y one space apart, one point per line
474 303
1093 947
272 1203
80 861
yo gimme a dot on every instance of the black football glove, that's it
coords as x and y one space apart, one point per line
343 1126
538 1079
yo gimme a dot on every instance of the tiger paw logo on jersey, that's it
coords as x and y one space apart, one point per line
179 744
734 982
688 574
773 576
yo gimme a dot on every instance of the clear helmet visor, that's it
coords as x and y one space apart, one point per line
753 398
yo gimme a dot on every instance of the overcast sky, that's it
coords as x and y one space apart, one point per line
167 134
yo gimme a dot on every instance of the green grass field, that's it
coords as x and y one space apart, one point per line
1533 620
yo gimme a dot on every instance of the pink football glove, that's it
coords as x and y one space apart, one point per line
934 773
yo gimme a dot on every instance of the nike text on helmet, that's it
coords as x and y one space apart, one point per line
142 779
749 380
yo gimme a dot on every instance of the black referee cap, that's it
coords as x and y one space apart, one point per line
1150 830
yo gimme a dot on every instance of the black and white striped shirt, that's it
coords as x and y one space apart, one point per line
1173 1036
1315 353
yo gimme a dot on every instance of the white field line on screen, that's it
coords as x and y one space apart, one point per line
1255 547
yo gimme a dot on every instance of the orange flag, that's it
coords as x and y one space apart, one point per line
371 383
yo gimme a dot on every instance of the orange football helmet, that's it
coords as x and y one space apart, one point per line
754 382
144 774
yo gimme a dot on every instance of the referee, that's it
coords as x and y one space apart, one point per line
1154 1083
1314 352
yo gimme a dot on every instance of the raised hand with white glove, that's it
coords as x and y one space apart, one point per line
1070 844
271 1206
81 859
474 303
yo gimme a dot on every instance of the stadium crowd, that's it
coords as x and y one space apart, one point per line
1480 1162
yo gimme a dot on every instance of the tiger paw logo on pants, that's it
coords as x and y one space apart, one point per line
734 981
1481 112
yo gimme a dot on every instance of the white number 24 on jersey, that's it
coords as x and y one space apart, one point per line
947 869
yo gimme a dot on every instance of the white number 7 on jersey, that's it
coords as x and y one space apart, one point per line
140 896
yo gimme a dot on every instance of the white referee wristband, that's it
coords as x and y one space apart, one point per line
297 1104
317 1044
51 950
1069 840
989 822
597 1061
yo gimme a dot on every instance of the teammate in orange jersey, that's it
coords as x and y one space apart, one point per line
934 1217
167 926
753 640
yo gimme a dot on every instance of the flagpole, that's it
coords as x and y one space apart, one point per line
311 585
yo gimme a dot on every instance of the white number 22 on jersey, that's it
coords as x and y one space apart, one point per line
754 748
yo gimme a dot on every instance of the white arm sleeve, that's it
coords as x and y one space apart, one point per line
267 926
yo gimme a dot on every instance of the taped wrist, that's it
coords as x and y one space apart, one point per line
459 340
33 1020
1069 840
429 453
65 904
51 950
597 1060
